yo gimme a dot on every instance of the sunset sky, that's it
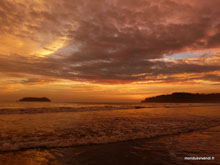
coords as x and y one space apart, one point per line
108 50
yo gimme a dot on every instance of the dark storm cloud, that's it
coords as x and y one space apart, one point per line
105 72
115 41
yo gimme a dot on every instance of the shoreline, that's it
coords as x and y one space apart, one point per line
158 148
124 141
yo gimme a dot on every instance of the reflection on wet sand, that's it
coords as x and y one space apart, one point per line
164 150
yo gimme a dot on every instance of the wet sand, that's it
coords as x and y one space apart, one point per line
161 150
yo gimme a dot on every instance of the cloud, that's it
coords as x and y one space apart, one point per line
114 41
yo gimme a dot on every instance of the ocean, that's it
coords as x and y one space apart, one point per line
63 132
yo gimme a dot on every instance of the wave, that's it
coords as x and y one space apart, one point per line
102 131
34 110
65 109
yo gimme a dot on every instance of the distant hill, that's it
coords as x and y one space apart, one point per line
185 98
35 99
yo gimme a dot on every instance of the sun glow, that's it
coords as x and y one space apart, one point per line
52 47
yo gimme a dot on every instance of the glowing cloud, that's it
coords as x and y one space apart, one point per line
110 43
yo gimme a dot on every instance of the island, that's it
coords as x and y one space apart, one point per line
35 99
182 97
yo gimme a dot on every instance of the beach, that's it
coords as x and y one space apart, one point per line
109 82
161 134
163 150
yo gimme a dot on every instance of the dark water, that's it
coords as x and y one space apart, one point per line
109 134
163 150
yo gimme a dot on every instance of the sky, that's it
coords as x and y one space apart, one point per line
108 50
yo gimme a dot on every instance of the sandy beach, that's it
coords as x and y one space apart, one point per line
159 133
109 82
162 150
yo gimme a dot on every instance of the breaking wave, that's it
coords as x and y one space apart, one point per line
81 127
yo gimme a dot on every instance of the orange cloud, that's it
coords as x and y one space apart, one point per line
109 45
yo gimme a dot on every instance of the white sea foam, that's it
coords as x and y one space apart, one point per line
23 131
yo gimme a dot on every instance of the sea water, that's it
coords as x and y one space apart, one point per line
52 125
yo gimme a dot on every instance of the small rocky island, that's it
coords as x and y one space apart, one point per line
35 99
181 97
